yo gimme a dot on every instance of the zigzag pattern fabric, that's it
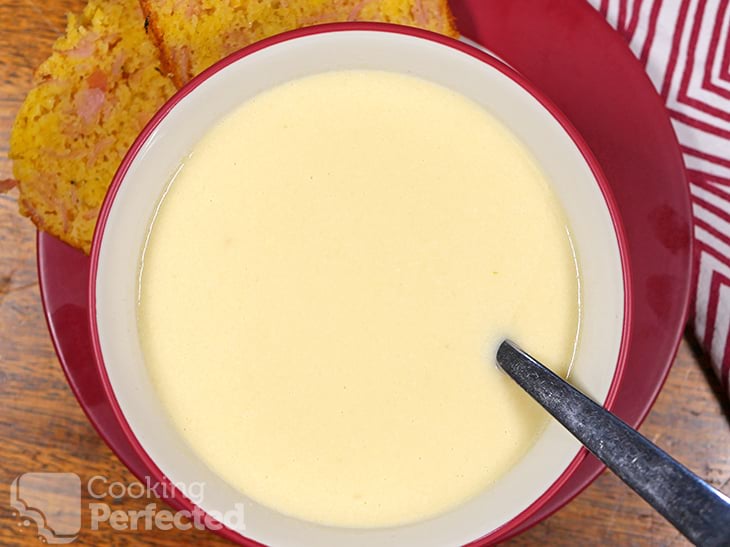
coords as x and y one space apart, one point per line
684 46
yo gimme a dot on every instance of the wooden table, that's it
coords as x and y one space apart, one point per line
42 428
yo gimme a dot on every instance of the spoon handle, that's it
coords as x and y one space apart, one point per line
695 508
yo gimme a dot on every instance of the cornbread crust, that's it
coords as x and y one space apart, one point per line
194 34
92 97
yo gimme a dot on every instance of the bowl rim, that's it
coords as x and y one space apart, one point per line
330 28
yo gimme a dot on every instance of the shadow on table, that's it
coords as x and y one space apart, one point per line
708 371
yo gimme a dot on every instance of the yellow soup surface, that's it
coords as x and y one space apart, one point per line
324 288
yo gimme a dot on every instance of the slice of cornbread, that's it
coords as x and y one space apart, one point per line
194 34
91 98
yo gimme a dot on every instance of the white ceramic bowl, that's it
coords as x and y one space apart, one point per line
172 134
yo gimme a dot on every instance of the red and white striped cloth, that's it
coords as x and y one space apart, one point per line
685 48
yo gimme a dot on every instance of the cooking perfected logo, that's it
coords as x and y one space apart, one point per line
52 501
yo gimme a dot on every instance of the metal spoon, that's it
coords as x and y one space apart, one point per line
695 508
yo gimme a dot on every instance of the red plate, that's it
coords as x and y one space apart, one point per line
568 51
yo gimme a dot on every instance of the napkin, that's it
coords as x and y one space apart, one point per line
685 49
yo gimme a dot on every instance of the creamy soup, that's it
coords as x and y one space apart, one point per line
324 288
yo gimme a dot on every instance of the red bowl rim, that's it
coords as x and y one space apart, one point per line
474 52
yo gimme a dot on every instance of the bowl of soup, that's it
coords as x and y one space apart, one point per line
303 269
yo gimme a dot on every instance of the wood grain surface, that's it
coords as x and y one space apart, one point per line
42 428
